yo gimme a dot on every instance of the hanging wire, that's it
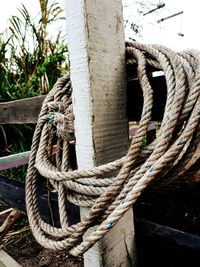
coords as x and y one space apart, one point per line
158 7
180 33
169 17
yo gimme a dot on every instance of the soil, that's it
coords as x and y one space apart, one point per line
31 254
28 253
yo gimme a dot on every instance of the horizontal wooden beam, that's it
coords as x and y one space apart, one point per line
173 236
21 111
13 193
27 110
14 160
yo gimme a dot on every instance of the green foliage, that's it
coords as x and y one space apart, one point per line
30 64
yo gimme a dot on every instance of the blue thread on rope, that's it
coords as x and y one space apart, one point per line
109 225
122 201
181 142
151 169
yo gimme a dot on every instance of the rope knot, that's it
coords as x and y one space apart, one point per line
64 123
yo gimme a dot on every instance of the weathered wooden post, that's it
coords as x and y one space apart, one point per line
97 63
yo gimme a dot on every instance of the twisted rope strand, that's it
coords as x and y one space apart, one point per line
111 189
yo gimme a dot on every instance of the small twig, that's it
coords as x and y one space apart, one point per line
6 211
10 234
9 222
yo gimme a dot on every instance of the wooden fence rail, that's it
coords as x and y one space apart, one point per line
21 111
14 160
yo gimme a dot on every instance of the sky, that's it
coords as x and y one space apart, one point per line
169 32
10 8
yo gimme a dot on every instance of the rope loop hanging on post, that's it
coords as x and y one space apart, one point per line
111 189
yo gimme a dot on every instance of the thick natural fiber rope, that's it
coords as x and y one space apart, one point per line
111 189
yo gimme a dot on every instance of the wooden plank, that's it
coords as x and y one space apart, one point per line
6 260
14 160
150 230
11 219
13 193
21 111
97 56
27 110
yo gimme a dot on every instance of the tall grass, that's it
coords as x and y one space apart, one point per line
30 64
30 61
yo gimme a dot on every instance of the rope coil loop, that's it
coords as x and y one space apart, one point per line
100 188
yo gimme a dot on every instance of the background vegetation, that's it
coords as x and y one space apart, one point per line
30 64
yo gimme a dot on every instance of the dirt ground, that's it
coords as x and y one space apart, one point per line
30 254
20 244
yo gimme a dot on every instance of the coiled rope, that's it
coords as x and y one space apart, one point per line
111 189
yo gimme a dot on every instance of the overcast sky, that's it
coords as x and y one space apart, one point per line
170 32
10 8
167 32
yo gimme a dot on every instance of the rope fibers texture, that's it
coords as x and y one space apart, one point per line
111 189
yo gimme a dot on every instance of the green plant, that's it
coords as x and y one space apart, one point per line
30 61
30 64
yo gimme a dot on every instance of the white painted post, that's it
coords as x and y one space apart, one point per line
97 62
